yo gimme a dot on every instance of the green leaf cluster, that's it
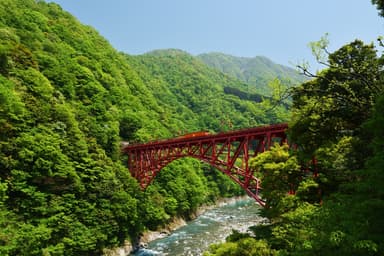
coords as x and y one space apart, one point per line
245 246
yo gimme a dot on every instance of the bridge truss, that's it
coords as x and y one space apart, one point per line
229 152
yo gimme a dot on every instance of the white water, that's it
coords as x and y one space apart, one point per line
211 227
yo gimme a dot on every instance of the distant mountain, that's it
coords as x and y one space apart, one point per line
257 71
199 96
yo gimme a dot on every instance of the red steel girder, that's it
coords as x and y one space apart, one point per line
229 152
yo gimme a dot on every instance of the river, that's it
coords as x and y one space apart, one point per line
213 226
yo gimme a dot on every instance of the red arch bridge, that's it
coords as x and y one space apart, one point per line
229 152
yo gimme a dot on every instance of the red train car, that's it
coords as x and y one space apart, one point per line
194 135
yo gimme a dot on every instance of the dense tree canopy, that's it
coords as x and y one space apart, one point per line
67 99
256 72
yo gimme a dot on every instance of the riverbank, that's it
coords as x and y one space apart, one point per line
174 224
211 227
178 222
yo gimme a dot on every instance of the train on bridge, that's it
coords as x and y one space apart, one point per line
194 135
229 152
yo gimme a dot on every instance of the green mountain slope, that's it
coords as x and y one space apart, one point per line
67 99
197 95
257 71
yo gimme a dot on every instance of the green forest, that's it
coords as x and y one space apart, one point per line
257 72
68 99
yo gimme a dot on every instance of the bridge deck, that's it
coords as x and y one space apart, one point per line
218 137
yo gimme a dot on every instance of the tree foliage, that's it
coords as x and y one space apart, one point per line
67 99
256 72
279 173
379 5
339 99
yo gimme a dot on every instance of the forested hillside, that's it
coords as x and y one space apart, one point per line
257 72
67 99
196 95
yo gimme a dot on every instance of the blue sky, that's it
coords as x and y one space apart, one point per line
279 30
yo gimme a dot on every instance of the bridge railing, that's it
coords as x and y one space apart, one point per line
273 129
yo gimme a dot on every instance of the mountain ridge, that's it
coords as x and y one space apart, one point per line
256 71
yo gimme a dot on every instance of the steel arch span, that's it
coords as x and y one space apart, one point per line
229 152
